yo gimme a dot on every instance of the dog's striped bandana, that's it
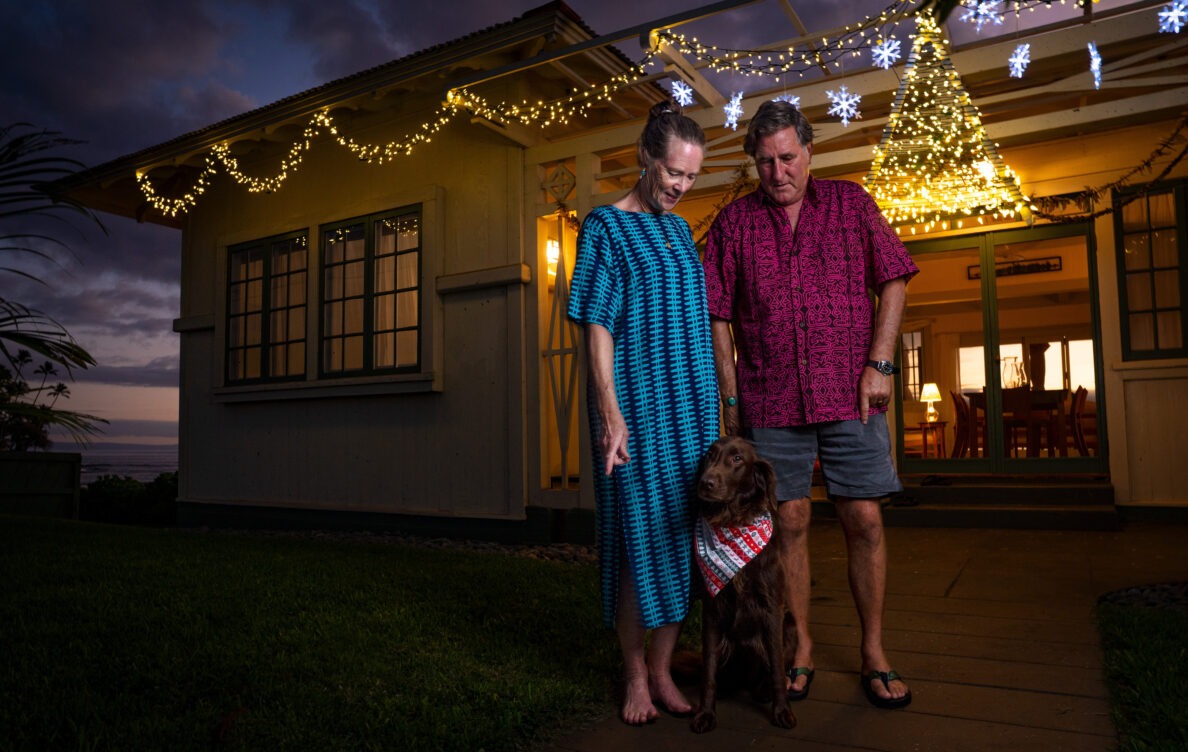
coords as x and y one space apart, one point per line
722 552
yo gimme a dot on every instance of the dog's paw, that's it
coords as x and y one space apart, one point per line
704 721
783 716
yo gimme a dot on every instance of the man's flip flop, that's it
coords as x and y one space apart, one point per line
886 677
792 673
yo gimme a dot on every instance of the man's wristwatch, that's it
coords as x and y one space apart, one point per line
885 367
730 401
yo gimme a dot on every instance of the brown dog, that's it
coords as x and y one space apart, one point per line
746 617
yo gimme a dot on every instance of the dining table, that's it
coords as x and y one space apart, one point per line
1041 412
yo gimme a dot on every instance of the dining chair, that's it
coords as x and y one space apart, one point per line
1075 416
961 429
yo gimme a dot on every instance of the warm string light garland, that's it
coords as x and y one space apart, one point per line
934 161
870 34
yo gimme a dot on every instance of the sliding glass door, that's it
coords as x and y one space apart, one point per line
999 355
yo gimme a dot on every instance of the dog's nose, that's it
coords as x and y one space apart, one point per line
708 483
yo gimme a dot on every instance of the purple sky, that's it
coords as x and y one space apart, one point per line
123 75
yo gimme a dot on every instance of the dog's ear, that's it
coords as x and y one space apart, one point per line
765 483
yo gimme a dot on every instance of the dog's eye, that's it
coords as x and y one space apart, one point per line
737 458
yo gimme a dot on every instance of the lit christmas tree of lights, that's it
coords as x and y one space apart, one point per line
934 162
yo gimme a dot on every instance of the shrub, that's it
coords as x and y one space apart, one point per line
125 500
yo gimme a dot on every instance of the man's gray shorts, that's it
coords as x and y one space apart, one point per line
855 458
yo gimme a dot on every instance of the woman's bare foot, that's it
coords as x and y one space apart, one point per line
637 702
665 692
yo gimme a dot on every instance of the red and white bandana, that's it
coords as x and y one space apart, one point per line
722 552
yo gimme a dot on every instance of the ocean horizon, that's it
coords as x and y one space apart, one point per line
142 462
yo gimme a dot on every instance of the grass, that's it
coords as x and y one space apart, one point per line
1146 652
137 638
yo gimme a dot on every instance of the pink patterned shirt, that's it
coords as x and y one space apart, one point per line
800 302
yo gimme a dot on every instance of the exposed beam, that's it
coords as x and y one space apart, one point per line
514 132
704 90
573 75
801 29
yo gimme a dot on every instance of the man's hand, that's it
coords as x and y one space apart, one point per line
874 390
730 419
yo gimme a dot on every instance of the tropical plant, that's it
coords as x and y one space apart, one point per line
27 204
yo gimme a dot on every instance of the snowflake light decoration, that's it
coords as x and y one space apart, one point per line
1019 60
982 12
844 104
682 93
1174 16
1095 64
733 110
886 52
791 99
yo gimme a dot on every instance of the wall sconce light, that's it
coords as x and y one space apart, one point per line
931 395
553 252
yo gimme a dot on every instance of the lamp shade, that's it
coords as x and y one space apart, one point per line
930 393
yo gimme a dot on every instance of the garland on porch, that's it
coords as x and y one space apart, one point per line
1047 206
743 183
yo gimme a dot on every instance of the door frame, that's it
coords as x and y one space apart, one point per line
997 462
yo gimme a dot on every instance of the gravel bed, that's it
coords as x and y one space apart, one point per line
1170 595
566 552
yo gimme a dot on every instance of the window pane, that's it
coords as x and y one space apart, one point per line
406 348
251 368
406 271
408 228
353 317
1134 215
280 258
277 356
234 365
1164 248
297 259
385 350
1167 290
335 243
385 274
277 330
256 263
1142 331
238 266
253 329
385 314
297 288
1138 251
354 279
354 243
297 359
332 354
385 237
297 323
334 283
333 323
255 295
237 298
352 354
1163 209
280 293
406 309
235 331
1138 291
1171 335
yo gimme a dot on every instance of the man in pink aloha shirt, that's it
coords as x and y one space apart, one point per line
805 363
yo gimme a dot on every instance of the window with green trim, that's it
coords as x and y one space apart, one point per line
371 271
266 299
1150 231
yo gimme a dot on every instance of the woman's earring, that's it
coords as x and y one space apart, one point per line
642 173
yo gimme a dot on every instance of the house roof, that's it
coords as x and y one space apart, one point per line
111 186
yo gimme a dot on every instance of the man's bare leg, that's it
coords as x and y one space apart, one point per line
862 522
794 518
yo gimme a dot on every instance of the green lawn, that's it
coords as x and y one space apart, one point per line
135 638
1146 662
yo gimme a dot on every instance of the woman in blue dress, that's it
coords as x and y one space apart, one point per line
639 290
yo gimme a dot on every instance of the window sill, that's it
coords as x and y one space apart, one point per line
367 386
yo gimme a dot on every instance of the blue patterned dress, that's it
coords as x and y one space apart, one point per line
638 275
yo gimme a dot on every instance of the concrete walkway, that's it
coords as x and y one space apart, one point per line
992 629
